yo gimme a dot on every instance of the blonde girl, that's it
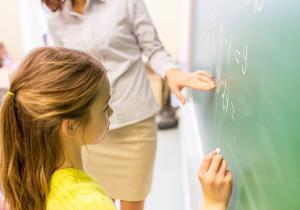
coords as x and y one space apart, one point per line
58 101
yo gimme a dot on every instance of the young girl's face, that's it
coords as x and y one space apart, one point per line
96 128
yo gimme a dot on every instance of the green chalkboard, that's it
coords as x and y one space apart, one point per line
252 47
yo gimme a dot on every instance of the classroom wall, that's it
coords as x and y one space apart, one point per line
33 24
10 28
166 16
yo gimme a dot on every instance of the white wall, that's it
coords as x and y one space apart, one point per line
10 28
33 24
22 25
166 15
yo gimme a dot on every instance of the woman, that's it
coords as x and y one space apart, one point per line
118 33
57 103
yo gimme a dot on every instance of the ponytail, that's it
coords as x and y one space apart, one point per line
11 153
25 169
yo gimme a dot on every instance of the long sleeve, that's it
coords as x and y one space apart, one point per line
117 33
148 40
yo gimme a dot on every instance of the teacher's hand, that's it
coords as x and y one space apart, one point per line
198 80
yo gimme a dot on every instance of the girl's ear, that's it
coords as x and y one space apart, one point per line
68 127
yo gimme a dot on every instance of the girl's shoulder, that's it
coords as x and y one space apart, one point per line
74 189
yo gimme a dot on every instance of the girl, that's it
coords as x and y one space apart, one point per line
118 33
58 101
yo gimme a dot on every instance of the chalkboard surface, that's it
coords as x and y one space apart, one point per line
252 47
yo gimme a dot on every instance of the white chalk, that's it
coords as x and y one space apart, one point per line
218 150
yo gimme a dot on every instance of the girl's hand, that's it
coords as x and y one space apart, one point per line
216 181
199 80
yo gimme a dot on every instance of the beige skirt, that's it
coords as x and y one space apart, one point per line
123 163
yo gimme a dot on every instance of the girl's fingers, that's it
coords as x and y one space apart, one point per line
215 164
228 176
207 161
223 168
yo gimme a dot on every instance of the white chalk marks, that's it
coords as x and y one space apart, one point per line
258 5
227 104
241 58
245 59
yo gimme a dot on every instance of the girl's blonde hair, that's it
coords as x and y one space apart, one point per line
50 85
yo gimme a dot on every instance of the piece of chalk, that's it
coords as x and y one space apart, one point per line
218 150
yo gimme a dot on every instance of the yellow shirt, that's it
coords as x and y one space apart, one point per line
73 189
